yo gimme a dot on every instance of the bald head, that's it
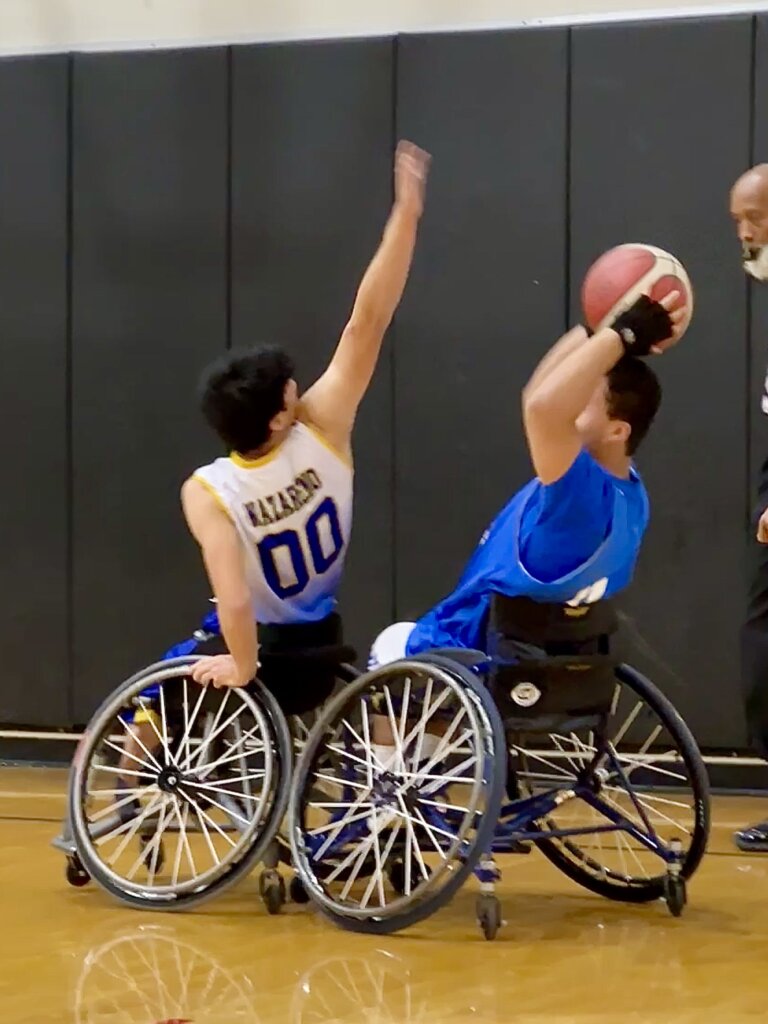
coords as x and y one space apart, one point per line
749 206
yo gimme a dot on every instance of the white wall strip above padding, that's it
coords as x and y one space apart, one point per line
45 26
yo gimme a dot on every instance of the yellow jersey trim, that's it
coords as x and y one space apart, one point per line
213 493
346 459
243 463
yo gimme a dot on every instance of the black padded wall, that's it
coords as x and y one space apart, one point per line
487 292
236 196
311 190
652 159
33 389
149 310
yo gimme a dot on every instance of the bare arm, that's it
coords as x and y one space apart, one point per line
574 339
223 557
331 403
550 410
563 385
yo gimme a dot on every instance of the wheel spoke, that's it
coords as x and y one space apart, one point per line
135 736
230 812
204 817
127 753
115 806
131 828
184 742
616 740
377 876
123 771
228 756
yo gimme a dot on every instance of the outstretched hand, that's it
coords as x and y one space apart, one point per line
411 172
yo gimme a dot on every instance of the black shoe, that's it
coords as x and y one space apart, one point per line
753 839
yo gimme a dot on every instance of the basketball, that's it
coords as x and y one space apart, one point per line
620 276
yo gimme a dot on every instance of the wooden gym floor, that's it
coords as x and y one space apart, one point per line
564 956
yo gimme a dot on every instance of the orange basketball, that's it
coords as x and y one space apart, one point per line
620 276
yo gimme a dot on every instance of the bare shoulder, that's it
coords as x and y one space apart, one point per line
194 494
203 509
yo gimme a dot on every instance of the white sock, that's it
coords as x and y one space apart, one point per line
429 745
383 753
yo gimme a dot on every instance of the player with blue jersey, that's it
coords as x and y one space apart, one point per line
273 517
573 534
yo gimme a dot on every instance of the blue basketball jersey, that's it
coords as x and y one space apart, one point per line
572 542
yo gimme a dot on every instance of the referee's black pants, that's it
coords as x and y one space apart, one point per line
754 647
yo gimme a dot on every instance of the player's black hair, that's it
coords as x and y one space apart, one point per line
240 394
634 395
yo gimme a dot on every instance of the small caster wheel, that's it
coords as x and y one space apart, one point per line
488 915
296 890
76 874
272 890
675 894
149 854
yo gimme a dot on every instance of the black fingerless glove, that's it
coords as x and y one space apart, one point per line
643 325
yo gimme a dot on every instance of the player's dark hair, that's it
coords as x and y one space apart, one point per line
241 393
634 395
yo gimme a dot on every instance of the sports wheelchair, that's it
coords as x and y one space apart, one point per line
178 791
545 741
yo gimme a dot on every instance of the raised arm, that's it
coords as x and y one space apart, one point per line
574 339
223 557
565 380
331 403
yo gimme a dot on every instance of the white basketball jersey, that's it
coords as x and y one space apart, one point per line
293 511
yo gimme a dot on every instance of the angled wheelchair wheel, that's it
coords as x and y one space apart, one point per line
177 789
381 841
641 812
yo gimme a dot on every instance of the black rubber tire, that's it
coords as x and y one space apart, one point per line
496 755
76 874
488 911
647 890
238 870
675 894
274 893
297 892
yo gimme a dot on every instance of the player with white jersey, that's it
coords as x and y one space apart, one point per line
292 511
273 517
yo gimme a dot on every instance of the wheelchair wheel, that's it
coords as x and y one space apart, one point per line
177 789
643 770
358 822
